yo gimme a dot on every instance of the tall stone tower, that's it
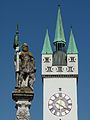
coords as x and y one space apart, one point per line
60 75
25 77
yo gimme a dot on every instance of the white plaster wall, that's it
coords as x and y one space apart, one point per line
44 64
65 68
50 87
54 71
74 64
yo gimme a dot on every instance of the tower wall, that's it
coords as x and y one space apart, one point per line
60 77
72 60
46 61
52 86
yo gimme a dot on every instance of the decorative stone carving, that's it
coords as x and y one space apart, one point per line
22 110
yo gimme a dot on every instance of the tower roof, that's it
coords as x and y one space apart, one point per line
47 46
72 48
59 33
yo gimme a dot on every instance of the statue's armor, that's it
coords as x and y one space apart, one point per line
26 69
26 62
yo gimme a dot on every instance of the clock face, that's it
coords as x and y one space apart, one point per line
60 104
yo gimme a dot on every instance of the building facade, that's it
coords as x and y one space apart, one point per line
60 75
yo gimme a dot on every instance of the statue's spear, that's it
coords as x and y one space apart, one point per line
17 50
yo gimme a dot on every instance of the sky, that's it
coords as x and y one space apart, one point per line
34 17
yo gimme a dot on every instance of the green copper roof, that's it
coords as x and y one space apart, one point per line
59 33
47 47
72 48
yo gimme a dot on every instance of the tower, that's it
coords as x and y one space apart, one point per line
60 75
25 77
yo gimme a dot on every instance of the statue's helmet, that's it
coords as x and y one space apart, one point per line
25 47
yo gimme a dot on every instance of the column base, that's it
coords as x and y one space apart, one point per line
22 93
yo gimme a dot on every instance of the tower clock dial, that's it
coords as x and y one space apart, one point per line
60 104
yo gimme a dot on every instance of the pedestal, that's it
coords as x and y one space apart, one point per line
23 98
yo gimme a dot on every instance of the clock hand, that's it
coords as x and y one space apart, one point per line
65 107
58 105
61 103
61 106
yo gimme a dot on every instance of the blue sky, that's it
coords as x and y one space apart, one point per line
34 17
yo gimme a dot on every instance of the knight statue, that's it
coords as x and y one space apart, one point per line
25 76
26 67
24 64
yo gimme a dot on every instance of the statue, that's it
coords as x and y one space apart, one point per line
26 67
24 64
25 77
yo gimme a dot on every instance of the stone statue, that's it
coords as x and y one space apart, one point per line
25 67
25 77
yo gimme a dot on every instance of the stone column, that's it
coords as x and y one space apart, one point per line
23 98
